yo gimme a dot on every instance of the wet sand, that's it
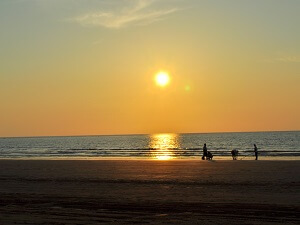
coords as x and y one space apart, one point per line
149 192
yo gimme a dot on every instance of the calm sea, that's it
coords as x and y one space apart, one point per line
278 145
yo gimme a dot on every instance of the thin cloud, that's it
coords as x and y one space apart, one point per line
291 59
283 59
139 13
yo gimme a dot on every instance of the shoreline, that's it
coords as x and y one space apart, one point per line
216 158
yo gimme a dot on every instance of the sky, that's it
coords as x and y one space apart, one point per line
87 67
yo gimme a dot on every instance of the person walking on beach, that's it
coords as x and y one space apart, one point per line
255 152
204 152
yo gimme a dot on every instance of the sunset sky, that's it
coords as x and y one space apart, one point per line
87 67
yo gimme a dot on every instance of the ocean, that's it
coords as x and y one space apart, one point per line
271 145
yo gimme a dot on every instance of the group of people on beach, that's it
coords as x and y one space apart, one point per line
234 153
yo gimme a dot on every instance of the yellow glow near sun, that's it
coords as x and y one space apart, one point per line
162 79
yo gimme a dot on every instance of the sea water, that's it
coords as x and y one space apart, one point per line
271 145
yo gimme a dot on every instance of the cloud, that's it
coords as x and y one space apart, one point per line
291 59
283 58
134 12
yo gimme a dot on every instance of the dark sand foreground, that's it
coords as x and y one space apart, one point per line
149 192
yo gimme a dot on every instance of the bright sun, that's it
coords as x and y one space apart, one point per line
162 78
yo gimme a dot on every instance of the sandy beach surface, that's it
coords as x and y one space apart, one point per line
149 192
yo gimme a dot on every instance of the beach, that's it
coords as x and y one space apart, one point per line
149 192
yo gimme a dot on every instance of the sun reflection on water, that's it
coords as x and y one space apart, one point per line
163 146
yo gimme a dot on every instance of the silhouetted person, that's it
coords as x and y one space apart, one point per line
255 152
204 152
209 156
234 154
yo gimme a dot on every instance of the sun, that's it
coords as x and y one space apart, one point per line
162 79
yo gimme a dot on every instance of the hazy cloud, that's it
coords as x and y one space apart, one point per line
134 12
283 59
292 59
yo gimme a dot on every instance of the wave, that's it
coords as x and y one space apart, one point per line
182 145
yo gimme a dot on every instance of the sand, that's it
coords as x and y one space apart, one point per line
149 192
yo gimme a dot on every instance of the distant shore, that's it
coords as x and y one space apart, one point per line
149 192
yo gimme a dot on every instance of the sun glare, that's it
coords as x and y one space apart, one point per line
163 146
162 79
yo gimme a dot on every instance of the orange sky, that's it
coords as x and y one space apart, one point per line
85 72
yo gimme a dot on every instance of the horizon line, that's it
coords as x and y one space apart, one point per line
132 134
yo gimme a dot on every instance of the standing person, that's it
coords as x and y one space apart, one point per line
255 152
204 152
234 154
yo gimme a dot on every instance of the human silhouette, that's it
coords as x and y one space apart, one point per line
204 152
255 152
234 154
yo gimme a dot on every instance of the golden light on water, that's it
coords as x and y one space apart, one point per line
162 78
163 146
164 157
